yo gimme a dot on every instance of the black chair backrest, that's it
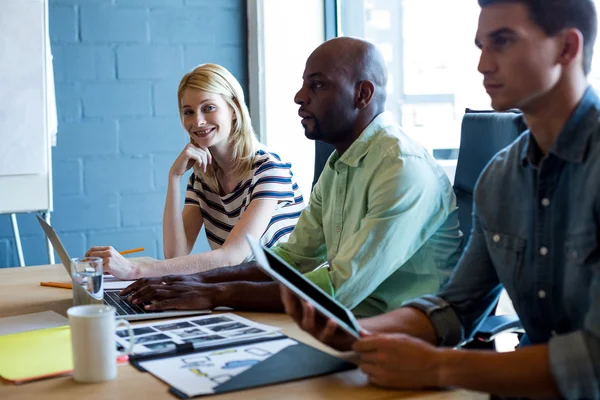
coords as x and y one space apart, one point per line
483 134
322 152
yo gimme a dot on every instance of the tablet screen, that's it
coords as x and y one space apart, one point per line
308 288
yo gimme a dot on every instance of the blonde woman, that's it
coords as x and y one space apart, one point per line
237 187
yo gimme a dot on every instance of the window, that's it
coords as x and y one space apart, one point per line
431 59
282 36
432 64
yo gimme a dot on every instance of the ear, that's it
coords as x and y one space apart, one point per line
233 113
365 90
572 47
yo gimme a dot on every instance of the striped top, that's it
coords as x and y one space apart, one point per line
269 178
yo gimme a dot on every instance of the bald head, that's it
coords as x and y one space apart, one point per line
356 60
343 90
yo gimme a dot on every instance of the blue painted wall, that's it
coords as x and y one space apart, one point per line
117 64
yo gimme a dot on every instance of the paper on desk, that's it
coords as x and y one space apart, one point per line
200 373
30 322
110 282
200 331
35 354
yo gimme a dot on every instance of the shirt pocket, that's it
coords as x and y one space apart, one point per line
580 248
507 253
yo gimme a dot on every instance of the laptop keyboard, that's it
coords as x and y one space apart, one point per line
122 306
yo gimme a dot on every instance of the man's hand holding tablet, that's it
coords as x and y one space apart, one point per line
324 329
315 311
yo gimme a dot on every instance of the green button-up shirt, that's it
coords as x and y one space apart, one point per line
383 219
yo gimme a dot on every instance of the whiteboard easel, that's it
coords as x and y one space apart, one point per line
25 143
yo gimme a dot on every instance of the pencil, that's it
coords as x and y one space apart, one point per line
70 286
131 251
57 285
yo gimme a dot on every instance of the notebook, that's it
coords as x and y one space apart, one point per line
261 362
31 322
37 354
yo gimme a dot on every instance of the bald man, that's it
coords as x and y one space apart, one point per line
381 226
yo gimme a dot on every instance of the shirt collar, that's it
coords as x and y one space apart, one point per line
573 139
359 149
531 153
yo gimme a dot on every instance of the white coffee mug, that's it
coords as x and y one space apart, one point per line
93 342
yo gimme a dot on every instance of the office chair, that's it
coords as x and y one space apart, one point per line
483 134
322 152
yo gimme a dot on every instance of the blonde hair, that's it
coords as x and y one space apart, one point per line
214 78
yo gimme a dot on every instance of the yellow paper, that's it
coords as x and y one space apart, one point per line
35 354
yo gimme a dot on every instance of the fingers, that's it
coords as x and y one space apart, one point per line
168 304
129 289
204 164
104 254
308 318
378 380
187 301
369 369
331 328
375 372
367 344
153 292
208 155
373 358
200 155
292 305
379 376
365 333
137 285
96 249
201 162
323 329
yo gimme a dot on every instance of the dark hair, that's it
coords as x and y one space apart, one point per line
555 15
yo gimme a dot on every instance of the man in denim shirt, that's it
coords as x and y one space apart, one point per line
536 226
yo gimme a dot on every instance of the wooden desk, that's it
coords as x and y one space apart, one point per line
20 293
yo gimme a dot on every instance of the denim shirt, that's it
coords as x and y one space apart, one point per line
536 226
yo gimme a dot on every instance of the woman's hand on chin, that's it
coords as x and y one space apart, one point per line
190 155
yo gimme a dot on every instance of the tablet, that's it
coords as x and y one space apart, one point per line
282 272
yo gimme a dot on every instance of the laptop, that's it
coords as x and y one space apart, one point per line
125 310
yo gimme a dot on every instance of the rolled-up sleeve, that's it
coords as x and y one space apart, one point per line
575 357
574 362
448 327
